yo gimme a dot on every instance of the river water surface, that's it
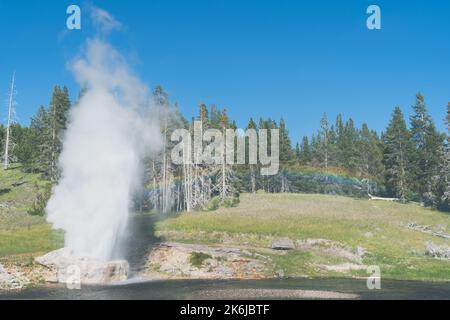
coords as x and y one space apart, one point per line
239 289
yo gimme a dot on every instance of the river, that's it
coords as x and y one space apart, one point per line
240 289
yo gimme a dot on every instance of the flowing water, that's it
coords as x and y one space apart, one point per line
235 289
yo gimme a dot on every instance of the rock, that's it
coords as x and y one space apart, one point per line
343 267
441 252
283 244
306 244
279 273
69 268
360 251
8 281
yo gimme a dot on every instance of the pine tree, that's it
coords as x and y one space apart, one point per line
445 166
312 147
447 120
305 152
346 141
20 146
340 141
298 152
58 114
286 152
324 147
25 149
370 155
427 143
397 151
203 116
214 117
40 140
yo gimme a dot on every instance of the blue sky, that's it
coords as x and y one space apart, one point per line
295 59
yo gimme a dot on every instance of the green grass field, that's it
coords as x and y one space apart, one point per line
377 226
21 235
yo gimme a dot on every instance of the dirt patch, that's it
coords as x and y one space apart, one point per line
174 260
180 260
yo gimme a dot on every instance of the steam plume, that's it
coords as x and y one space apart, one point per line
109 133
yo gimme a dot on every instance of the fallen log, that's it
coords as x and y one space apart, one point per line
381 198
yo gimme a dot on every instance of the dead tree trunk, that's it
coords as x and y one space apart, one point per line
8 125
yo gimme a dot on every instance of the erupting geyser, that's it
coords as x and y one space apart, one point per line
110 131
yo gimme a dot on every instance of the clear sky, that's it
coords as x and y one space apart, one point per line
270 58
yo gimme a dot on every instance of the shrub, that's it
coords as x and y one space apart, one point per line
213 204
42 195
230 202
197 258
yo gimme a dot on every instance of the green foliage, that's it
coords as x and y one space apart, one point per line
286 151
42 195
230 202
397 155
427 143
197 258
213 204
58 116
304 152
324 147
303 179
370 155
41 144
217 202
443 183
411 164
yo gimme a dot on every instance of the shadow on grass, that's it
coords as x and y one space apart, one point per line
4 191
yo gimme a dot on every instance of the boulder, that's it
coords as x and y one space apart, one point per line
435 251
283 244
69 268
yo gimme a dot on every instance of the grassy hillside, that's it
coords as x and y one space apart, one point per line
22 235
376 226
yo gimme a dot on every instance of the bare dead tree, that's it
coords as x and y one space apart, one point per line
9 123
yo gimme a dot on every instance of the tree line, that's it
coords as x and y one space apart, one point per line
409 160
37 146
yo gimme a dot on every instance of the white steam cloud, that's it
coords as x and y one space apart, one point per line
110 131
103 20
